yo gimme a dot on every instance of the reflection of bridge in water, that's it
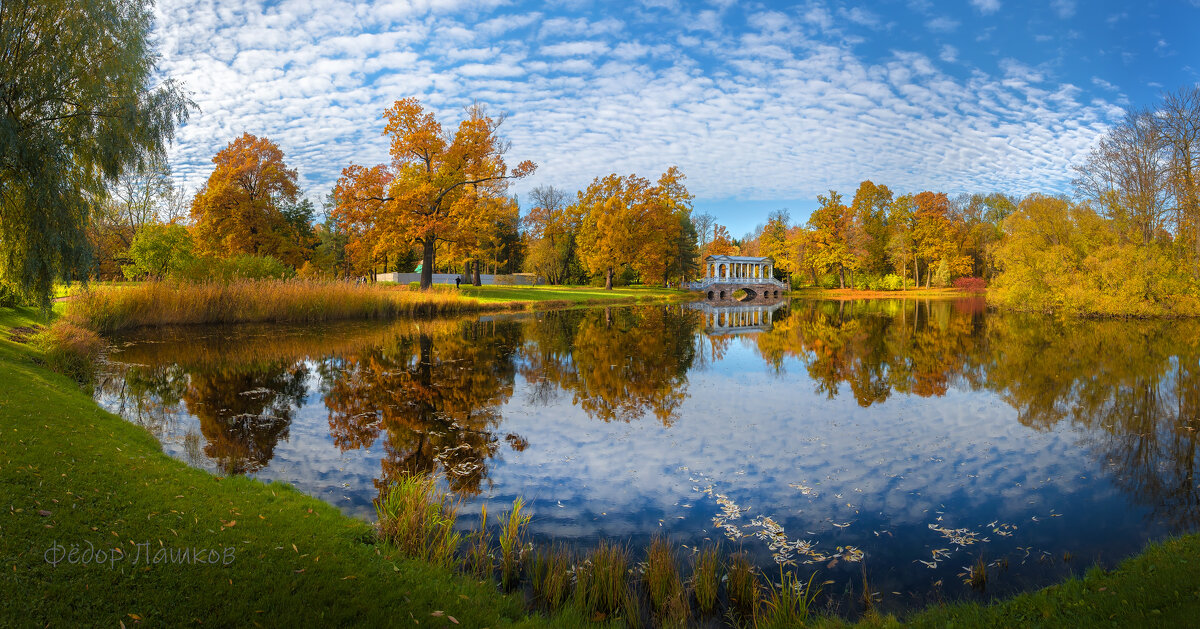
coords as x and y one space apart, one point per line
736 319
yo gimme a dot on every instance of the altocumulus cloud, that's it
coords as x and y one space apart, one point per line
751 105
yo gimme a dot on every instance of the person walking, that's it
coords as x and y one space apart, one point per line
457 281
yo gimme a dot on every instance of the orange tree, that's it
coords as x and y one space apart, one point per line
435 188
240 208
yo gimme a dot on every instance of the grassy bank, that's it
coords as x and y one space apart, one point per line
72 475
107 309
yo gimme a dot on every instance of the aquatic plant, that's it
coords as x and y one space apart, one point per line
744 589
789 601
705 578
551 572
512 539
418 519
663 583
243 301
601 586
479 553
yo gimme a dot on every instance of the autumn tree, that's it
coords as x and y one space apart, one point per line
773 241
435 188
870 209
901 244
720 244
832 224
1127 176
626 221
1178 118
83 104
241 207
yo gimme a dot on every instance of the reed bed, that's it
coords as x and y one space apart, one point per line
418 519
255 301
69 349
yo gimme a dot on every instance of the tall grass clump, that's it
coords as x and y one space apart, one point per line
255 301
706 579
668 597
512 544
550 572
418 519
479 552
601 587
788 602
744 590
69 349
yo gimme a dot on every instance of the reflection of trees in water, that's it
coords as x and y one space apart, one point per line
243 410
244 414
1133 387
620 364
874 347
435 398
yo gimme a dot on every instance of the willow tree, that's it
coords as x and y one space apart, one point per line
435 187
79 107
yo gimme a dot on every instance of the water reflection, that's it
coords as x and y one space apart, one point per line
877 425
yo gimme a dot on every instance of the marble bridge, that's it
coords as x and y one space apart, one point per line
725 275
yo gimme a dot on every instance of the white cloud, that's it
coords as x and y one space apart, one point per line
942 24
769 113
986 7
1064 8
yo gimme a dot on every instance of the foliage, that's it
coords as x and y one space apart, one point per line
438 187
973 284
159 251
248 205
81 110
1062 257
239 267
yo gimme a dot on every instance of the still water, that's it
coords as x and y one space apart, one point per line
900 439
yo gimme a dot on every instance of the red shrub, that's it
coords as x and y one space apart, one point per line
973 284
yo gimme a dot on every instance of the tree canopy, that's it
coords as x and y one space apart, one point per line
79 107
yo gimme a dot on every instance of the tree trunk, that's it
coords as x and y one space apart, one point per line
427 262
608 277
813 271
841 275
475 275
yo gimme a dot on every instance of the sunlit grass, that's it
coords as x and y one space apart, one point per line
788 602
668 597
281 301
418 519
744 589
601 586
512 544
551 571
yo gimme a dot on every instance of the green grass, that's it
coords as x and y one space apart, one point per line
573 295
71 473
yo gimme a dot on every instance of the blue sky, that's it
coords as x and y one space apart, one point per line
763 105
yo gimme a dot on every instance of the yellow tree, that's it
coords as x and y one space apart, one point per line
660 224
721 244
609 213
240 207
433 188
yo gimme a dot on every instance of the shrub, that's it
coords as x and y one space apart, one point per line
975 284
69 349
891 281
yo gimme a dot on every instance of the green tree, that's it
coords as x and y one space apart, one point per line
158 250
80 109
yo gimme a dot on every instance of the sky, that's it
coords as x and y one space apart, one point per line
763 105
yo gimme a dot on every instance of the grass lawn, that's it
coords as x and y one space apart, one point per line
73 475
573 295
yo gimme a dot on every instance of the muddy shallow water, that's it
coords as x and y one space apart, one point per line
905 439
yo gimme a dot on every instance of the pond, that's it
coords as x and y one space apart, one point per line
900 439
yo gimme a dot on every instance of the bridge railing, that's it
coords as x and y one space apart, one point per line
727 281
